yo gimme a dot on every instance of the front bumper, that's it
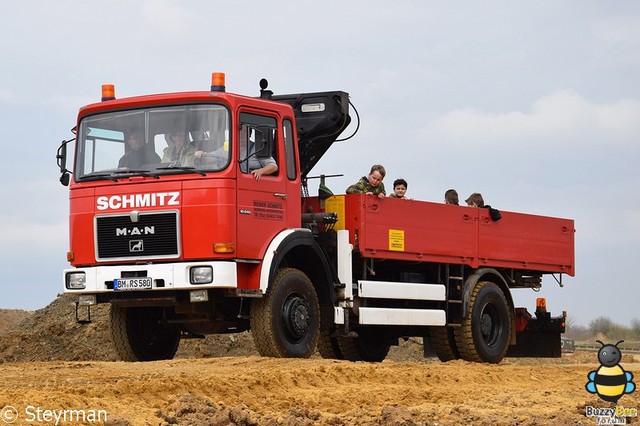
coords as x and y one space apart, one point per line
165 276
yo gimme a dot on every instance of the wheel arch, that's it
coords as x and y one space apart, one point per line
298 249
491 275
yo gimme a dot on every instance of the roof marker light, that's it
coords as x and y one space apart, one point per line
108 92
217 82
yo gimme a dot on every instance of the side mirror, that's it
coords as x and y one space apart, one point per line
64 179
61 159
264 140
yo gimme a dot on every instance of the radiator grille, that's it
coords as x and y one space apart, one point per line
153 235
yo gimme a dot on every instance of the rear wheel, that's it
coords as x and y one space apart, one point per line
444 343
285 323
367 346
486 326
138 334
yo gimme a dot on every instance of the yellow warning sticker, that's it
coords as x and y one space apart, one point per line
396 239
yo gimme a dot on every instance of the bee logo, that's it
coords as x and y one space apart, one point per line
610 381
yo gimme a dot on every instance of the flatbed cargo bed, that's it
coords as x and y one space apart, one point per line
412 230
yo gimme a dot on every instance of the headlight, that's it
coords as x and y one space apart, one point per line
76 280
201 275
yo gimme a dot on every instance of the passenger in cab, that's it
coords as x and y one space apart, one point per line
138 152
250 162
181 152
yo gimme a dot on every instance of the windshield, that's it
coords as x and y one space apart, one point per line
167 140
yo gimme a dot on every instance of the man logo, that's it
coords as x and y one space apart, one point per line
136 246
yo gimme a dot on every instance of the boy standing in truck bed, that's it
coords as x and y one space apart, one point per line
371 184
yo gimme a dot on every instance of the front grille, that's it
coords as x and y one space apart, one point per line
153 235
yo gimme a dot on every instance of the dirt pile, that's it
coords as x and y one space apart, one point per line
11 317
52 333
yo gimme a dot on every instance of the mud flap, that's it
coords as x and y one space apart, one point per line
537 336
87 316
537 344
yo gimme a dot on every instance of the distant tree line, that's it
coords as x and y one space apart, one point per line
603 326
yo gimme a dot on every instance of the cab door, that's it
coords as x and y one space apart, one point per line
262 211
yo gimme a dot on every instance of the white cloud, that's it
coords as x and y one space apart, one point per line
564 115
621 30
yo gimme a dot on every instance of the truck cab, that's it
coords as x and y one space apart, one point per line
205 184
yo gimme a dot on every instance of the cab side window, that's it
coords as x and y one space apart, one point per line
289 150
258 144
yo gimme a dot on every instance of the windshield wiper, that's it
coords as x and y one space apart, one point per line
183 168
128 171
99 175
134 171
140 172
114 174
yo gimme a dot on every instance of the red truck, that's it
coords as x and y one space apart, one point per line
186 242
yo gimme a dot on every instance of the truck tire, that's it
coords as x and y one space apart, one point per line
328 346
138 334
486 327
285 323
367 346
444 343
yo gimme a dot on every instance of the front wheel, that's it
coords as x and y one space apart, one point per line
139 334
285 323
486 327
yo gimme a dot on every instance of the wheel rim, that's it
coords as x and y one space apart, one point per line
490 325
296 317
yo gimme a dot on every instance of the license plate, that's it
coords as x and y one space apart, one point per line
132 283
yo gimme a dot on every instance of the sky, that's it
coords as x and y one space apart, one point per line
536 105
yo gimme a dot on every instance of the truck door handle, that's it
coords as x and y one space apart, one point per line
281 195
